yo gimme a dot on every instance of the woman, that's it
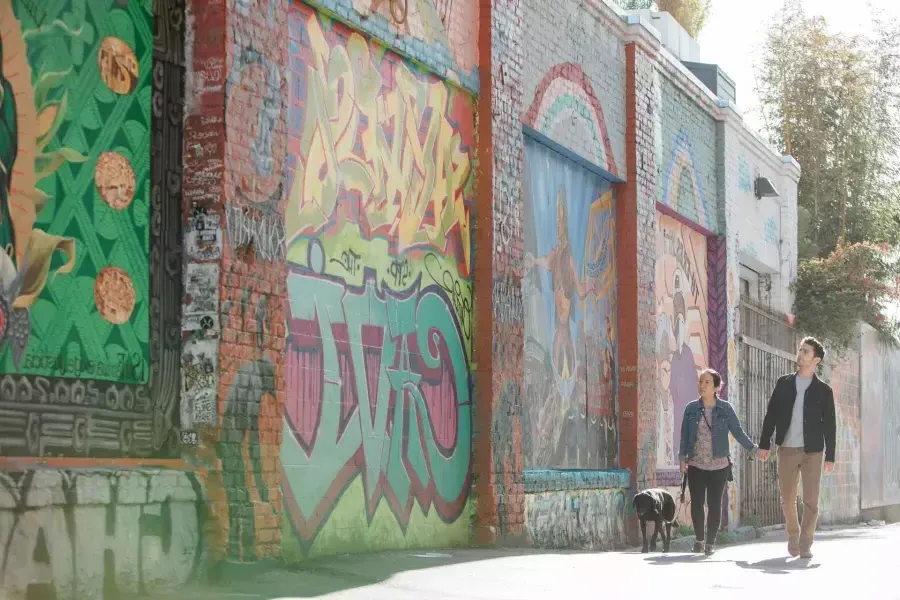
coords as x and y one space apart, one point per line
704 455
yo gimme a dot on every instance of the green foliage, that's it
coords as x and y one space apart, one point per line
832 101
691 14
854 283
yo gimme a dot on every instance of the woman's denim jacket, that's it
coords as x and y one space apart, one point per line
722 418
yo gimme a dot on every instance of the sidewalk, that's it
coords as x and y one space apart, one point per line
398 575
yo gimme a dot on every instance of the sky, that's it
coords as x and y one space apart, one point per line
735 31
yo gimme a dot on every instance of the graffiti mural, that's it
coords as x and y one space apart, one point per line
570 315
74 189
92 277
99 534
880 423
683 185
378 411
682 330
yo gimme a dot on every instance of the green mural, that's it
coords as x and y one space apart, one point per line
75 94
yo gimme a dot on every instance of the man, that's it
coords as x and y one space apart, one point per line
801 414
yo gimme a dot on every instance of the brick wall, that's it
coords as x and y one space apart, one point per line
499 310
687 181
574 78
233 329
637 242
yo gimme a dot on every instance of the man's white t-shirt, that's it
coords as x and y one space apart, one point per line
794 436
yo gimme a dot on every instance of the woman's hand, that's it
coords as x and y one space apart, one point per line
684 466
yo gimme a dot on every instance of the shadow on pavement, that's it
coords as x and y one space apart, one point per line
678 559
317 577
778 566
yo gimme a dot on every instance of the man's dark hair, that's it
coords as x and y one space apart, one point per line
817 347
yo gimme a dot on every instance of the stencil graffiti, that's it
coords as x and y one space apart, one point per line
71 535
682 332
570 315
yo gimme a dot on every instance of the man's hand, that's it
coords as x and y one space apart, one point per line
763 454
829 467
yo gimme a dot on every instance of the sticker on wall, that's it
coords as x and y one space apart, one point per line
74 188
199 381
204 237
201 291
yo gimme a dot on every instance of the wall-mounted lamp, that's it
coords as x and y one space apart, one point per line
764 188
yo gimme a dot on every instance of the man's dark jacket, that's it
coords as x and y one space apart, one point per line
818 415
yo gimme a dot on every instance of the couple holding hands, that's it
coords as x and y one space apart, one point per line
800 413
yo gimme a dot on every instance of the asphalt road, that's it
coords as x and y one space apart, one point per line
852 564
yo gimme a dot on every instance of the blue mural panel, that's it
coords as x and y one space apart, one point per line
569 290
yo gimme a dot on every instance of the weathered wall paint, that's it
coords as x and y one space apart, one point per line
96 326
90 535
380 296
440 34
569 291
879 423
576 509
75 189
574 79
688 157
681 328
840 491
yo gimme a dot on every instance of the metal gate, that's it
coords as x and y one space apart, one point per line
768 351
761 366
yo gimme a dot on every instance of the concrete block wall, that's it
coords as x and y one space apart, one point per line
574 78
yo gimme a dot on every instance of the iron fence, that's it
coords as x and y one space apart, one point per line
767 326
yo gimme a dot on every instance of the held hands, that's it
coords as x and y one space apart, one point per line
763 455
829 467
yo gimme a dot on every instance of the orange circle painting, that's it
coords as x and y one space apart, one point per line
118 65
115 180
114 295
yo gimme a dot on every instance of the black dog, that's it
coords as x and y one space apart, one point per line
658 506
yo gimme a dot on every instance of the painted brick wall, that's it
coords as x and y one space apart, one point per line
377 445
440 34
687 180
498 355
233 328
642 400
839 500
574 78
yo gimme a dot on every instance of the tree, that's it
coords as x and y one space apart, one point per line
832 102
691 14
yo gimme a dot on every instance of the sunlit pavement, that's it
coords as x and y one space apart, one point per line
851 563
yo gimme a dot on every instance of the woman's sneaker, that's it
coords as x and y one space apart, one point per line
709 550
698 547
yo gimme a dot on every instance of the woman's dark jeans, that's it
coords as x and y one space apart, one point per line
707 487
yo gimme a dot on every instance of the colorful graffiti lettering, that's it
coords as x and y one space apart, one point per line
570 314
682 332
75 92
379 384
385 136
70 534
378 409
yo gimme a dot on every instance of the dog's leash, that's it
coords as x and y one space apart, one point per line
681 497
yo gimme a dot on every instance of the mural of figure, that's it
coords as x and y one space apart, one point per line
684 368
570 356
682 330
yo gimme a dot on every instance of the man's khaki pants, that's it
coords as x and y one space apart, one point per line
794 463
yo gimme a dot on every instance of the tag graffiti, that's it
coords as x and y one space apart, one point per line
378 386
98 535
